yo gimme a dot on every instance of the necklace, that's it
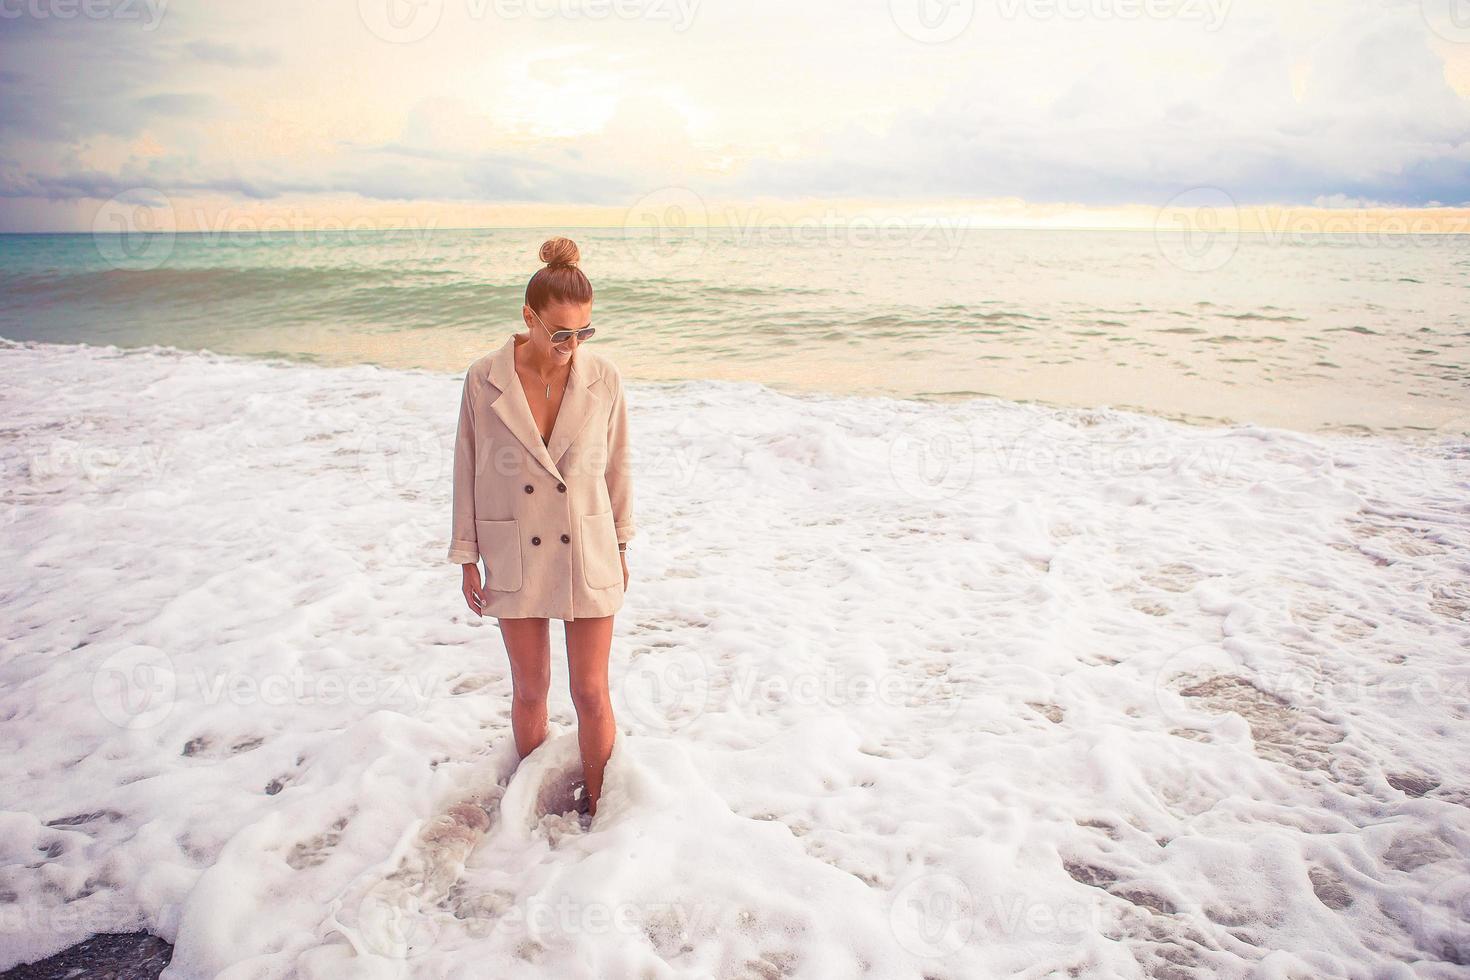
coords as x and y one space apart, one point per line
544 381
548 391
548 383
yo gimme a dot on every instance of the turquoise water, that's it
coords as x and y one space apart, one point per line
1309 332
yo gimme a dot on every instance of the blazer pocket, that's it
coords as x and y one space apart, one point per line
500 544
600 565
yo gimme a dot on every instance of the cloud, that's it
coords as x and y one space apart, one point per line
93 185
174 104
1278 103
232 55
1378 121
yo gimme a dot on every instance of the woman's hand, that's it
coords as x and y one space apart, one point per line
623 557
474 594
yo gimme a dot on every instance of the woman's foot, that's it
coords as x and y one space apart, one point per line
580 801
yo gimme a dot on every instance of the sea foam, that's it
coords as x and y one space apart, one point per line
903 689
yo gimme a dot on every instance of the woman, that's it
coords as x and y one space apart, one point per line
543 493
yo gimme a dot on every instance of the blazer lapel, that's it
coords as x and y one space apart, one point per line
578 404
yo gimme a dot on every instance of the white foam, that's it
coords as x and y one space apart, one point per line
973 689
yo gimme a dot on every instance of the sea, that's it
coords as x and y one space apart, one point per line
1314 332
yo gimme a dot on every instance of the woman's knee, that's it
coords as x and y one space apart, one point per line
530 659
590 698
531 687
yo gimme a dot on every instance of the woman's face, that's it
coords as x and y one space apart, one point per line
557 316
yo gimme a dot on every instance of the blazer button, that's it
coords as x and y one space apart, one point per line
535 540
565 539
561 487
530 489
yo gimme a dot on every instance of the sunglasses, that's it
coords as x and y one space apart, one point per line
562 336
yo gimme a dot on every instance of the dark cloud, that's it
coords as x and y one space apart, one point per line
414 172
387 175
231 55
105 186
508 179
175 104
1089 169
68 80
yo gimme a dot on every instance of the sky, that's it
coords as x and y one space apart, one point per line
529 112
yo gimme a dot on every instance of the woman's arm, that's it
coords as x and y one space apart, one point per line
619 472
464 548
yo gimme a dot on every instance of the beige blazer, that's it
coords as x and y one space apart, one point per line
546 518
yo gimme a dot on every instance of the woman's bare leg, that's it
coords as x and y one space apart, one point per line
588 643
528 642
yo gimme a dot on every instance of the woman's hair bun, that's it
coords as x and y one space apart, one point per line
559 251
559 281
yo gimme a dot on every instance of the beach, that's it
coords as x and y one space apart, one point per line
1035 437
905 687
